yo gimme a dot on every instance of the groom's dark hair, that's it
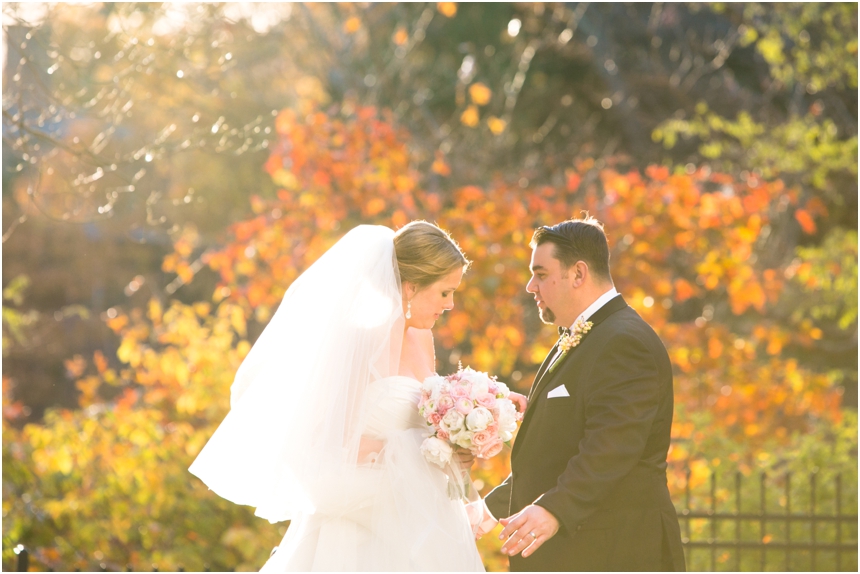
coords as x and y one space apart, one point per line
577 240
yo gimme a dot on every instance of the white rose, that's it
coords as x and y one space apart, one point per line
505 436
468 373
432 383
504 391
479 419
437 451
463 439
507 416
453 421
480 386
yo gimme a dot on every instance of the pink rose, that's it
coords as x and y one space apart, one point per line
442 434
491 449
463 405
493 388
487 400
444 404
493 429
459 391
481 438
434 419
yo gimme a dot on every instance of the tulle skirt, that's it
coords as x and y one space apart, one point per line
394 515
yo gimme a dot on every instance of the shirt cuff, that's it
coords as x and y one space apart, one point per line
487 510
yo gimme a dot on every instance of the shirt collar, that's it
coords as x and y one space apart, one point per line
598 303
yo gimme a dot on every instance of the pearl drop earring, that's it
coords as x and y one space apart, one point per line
409 309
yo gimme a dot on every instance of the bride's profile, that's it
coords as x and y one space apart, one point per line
323 428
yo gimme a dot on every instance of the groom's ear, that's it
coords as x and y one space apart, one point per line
578 272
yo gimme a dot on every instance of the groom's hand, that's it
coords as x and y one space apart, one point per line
527 530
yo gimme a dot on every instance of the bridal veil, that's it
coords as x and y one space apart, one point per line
290 441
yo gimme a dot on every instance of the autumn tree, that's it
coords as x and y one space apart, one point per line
685 261
160 115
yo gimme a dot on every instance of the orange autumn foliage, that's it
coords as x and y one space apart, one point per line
677 239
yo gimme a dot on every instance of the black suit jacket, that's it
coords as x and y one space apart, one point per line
596 459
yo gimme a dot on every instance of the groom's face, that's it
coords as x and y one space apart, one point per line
549 283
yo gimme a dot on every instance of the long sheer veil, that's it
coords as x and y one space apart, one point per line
292 435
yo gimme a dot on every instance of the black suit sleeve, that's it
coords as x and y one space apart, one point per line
623 402
499 499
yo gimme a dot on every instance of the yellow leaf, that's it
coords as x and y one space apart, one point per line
480 93
470 117
496 125
699 472
155 310
401 36
64 461
186 404
285 179
88 387
352 25
202 309
129 352
138 437
447 9
237 320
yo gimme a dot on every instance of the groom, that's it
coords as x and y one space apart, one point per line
588 489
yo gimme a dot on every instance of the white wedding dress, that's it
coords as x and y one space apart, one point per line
320 383
397 515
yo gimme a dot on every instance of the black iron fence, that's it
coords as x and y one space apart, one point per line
776 526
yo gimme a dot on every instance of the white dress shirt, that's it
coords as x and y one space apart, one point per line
595 307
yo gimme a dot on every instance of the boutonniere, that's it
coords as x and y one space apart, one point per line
571 340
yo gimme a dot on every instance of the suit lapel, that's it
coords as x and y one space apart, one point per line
543 367
613 305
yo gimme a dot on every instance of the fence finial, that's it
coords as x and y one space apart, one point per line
23 558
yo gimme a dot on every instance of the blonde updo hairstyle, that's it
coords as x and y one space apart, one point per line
425 254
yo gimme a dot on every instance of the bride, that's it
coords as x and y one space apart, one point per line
324 429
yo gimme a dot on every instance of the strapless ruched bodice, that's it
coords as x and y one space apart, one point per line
392 405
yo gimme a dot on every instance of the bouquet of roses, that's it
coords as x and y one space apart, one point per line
468 409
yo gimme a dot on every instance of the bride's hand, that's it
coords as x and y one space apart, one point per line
520 400
464 458
369 449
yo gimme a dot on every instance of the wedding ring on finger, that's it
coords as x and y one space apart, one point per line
533 535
